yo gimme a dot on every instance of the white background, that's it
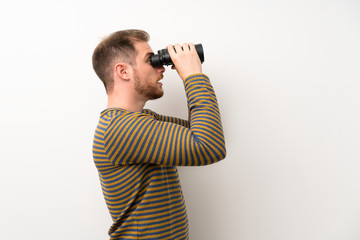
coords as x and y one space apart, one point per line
287 77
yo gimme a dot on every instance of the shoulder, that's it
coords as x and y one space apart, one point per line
150 112
127 118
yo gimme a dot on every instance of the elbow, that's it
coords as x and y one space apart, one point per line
210 154
222 149
222 155
221 152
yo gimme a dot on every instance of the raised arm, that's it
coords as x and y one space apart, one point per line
132 138
138 138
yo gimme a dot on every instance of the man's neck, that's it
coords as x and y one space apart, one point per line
127 104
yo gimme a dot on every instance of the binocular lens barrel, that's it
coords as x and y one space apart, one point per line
163 57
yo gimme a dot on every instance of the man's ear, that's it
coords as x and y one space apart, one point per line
122 70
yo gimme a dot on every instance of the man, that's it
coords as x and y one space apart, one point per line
136 150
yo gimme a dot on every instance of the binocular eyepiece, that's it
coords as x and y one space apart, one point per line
163 57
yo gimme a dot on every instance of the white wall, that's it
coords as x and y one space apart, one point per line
287 77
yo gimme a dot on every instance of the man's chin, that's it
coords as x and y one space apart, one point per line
160 95
156 95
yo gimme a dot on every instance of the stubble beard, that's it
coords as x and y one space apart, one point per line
147 90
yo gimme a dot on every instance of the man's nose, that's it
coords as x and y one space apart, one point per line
161 69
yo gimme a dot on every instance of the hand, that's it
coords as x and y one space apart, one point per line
185 58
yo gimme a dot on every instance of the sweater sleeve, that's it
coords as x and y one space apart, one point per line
136 138
165 118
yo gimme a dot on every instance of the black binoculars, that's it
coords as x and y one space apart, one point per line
163 57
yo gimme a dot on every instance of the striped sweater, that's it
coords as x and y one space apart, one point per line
136 154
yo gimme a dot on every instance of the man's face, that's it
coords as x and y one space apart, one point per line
146 76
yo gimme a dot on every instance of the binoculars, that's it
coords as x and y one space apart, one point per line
163 57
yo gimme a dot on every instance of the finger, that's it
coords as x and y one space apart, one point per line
177 47
186 47
173 52
171 49
192 47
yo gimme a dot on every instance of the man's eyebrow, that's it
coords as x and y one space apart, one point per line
148 54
